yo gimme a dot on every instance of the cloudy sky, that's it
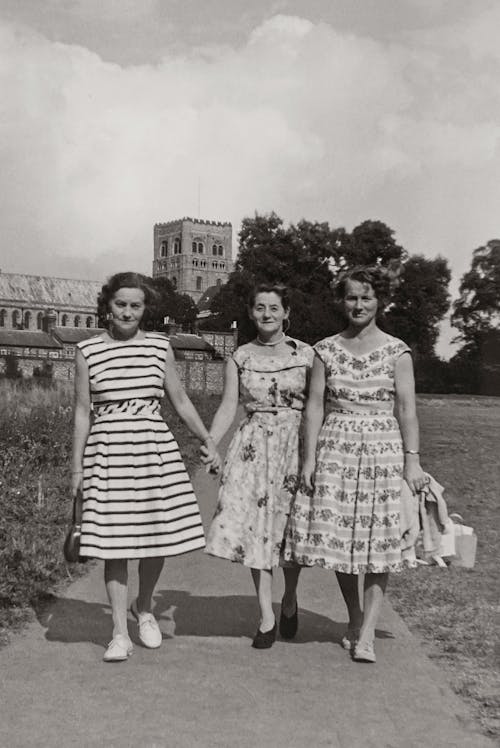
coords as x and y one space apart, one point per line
113 112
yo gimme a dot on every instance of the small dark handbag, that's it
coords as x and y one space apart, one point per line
71 548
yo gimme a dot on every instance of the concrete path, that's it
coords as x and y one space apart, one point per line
207 687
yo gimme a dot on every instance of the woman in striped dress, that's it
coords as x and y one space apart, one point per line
347 517
138 502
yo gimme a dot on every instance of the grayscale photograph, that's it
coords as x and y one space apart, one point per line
249 374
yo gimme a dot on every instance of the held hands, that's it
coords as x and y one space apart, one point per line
210 457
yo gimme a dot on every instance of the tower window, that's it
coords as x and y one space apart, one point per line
64 320
163 249
222 266
199 281
174 281
201 248
215 265
214 250
221 250
76 323
3 315
27 320
195 263
177 246
89 322
15 319
194 247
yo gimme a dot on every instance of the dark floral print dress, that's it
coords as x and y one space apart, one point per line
261 469
350 522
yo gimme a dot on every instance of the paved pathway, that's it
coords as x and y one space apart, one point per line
207 687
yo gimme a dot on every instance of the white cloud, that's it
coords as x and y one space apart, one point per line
303 119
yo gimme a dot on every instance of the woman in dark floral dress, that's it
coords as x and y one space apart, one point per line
269 376
347 518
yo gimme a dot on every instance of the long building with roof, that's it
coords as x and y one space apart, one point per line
26 299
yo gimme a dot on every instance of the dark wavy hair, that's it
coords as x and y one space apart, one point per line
278 288
380 279
127 280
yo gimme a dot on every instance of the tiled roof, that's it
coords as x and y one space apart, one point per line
33 290
28 339
205 301
188 342
73 335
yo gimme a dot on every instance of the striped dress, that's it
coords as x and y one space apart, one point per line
138 501
350 522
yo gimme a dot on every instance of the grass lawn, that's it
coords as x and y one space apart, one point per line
456 611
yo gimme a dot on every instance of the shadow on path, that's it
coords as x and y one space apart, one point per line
72 620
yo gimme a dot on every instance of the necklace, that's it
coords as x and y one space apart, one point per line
273 343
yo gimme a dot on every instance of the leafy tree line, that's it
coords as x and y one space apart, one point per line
308 256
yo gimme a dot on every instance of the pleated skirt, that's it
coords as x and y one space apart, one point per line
350 522
138 501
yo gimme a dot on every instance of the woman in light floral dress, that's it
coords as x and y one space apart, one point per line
270 376
347 517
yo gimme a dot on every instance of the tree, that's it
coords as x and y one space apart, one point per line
307 257
476 314
419 303
177 306
477 310
298 256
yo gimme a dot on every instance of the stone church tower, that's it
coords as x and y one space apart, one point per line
193 254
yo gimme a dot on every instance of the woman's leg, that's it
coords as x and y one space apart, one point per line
149 573
116 577
289 602
348 584
263 580
375 585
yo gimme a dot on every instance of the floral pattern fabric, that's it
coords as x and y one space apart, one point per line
350 521
261 469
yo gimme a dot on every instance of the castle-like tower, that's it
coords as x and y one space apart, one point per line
193 254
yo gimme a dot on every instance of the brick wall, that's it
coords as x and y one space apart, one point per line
196 376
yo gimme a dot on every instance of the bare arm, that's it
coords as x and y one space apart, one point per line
227 409
406 414
314 414
81 423
186 410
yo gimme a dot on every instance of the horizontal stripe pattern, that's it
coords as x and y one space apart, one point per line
138 498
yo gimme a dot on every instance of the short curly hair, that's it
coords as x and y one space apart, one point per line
278 288
127 280
376 277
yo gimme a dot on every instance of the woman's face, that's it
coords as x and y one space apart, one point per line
127 307
268 314
360 303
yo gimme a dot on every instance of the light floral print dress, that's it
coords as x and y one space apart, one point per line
261 469
350 521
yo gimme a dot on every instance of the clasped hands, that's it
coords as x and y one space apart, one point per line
210 456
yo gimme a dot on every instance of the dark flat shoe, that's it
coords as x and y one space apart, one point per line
289 625
265 639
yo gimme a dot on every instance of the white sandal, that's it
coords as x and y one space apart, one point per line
119 648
